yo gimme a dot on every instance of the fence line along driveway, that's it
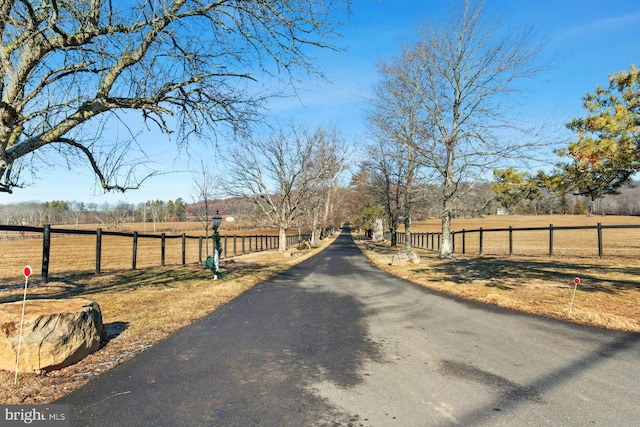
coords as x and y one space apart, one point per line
64 251
587 241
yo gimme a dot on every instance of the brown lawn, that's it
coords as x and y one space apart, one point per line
76 254
617 242
608 295
139 309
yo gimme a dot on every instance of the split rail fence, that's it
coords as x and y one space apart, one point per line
579 241
63 252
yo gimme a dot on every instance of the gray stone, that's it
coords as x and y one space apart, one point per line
403 257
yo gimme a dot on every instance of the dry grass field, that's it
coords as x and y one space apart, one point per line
520 221
76 254
608 295
621 242
139 309
193 228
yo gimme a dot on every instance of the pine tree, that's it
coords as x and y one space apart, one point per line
606 153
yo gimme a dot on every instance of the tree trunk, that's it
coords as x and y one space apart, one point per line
328 203
282 247
206 242
448 192
445 248
408 202
315 226
407 233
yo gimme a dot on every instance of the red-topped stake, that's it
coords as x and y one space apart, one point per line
575 288
26 271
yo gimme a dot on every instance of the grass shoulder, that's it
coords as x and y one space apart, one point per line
139 309
608 295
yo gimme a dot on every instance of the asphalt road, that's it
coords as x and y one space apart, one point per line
336 342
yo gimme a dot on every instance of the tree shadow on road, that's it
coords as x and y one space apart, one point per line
511 396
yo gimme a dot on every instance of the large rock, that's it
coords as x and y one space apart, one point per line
403 257
55 333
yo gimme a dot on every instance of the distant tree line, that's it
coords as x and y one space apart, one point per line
114 215
359 202
111 215
482 199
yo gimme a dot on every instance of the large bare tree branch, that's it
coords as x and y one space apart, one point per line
65 63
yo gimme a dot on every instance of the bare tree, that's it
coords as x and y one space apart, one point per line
68 68
330 154
395 124
116 215
76 210
461 72
156 207
143 209
386 177
202 192
278 173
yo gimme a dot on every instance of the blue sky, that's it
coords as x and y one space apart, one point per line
588 39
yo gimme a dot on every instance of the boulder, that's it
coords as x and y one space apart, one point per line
414 257
399 259
55 333
403 257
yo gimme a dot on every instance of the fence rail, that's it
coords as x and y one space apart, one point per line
587 241
66 251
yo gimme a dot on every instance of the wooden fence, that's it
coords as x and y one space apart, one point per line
20 246
585 241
